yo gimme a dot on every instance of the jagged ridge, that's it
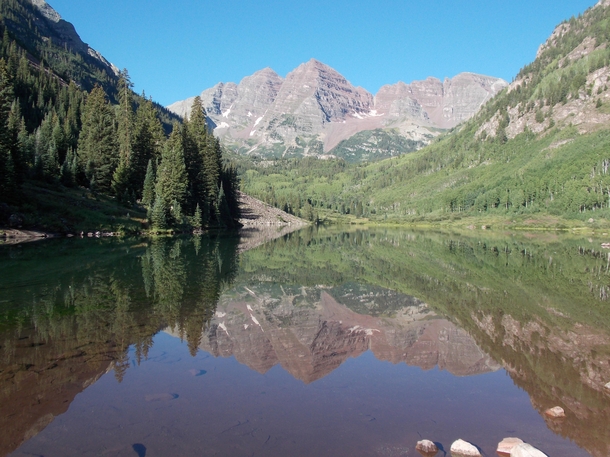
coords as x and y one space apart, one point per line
314 109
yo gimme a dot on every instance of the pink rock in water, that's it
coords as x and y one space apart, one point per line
461 448
426 447
556 412
507 444
526 450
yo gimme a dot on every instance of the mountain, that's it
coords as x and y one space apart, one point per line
54 44
314 110
539 147
40 30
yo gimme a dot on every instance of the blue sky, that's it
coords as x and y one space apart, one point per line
174 50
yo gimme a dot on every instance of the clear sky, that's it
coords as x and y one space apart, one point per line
175 49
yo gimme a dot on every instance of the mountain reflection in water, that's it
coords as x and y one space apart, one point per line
73 311
312 334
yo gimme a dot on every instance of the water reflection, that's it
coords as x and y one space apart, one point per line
310 332
537 304
308 301
71 311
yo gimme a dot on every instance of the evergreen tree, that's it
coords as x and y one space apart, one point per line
197 218
147 141
210 174
148 192
7 177
195 140
122 184
223 212
230 182
158 217
97 146
172 179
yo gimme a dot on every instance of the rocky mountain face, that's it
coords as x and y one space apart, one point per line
313 333
50 24
314 109
566 86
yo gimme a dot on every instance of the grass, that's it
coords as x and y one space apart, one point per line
58 209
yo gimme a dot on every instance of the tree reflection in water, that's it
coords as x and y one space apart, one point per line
70 311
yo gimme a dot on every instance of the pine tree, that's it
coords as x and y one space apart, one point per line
172 179
195 140
176 213
223 213
148 192
66 172
230 182
147 141
97 146
210 174
158 217
197 219
7 176
122 178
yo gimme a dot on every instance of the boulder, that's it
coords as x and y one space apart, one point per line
426 447
607 388
556 412
507 444
526 450
461 448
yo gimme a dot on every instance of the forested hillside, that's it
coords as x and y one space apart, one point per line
75 139
542 146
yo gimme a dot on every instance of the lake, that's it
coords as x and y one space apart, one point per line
321 342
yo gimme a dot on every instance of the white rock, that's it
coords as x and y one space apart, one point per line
555 412
607 387
427 447
526 450
463 448
507 444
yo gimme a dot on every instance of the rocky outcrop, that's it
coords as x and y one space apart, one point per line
262 222
583 107
426 447
461 448
526 450
507 444
315 108
51 25
555 412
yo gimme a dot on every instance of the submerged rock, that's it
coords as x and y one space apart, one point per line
556 412
507 444
461 448
526 450
426 447
161 397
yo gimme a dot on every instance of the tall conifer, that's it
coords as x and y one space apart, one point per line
195 140
172 179
7 177
148 192
97 146
122 183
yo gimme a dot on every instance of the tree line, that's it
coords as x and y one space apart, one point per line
54 132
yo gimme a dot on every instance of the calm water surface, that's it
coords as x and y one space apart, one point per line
322 342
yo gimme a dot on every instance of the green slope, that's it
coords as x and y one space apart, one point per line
541 147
